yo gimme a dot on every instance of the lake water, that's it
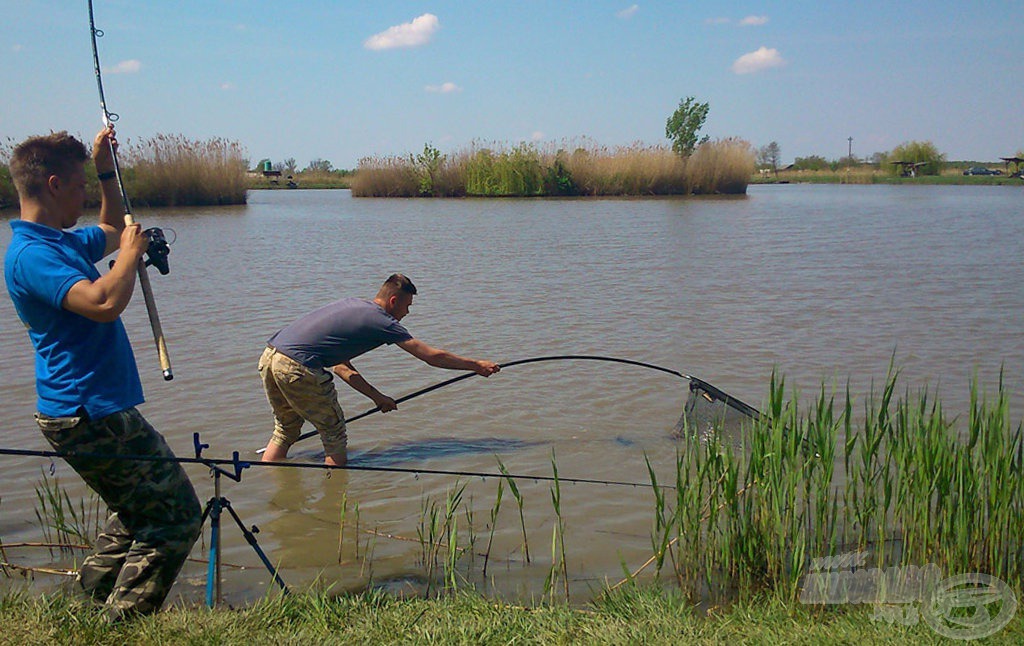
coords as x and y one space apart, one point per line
824 284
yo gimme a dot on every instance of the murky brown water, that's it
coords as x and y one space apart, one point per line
822 283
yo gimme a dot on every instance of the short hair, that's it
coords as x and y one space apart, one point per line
34 160
397 283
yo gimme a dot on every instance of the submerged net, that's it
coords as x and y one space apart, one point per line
710 412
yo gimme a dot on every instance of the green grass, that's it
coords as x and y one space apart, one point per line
648 616
870 175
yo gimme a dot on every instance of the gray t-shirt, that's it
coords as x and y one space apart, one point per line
338 332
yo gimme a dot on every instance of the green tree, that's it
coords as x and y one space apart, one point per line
319 166
811 162
769 155
684 124
919 152
426 165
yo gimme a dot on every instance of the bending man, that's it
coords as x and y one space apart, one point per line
295 364
86 379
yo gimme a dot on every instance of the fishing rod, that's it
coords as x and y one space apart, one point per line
158 247
518 362
238 466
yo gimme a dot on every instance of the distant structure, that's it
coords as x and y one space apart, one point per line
908 168
269 172
1016 161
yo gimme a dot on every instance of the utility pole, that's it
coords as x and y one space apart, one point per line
849 152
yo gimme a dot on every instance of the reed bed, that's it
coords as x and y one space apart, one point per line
171 170
905 487
573 169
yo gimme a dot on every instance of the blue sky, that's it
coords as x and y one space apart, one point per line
345 80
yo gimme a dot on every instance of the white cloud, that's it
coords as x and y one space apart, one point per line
444 88
17 47
629 11
129 66
536 135
756 61
409 34
227 86
753 21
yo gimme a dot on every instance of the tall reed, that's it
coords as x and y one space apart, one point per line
61 522
916 488
172 170
572 168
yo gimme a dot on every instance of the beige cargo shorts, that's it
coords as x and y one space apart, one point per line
298 394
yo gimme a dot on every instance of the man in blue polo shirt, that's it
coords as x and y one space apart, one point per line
87 381
295 364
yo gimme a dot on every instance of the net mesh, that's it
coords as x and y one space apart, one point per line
710 412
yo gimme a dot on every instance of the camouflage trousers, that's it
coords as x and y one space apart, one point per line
155 515
297 393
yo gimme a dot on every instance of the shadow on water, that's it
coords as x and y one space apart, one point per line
436 448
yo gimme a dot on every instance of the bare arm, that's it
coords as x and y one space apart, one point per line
111 207
104 299
353 378
443 359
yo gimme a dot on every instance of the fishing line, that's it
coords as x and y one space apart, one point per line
239 465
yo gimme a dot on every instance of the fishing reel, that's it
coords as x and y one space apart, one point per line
158 250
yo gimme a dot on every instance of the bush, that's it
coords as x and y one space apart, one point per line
923 152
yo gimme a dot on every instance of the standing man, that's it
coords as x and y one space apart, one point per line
295 364
86 379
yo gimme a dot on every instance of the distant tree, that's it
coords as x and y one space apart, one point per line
923 152
684 124
290 165
847 162
813 162
426 164
770 155
319 166
876 158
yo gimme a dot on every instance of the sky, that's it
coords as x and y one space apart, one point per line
345 80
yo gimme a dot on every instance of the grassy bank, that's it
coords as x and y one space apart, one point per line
632 617
871 175
528 170
165 170
302 179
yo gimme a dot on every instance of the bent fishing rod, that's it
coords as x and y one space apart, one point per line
518 362
158 247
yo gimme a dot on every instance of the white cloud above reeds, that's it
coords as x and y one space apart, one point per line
444 88
753 21
628 12
759 60
408 34
130 66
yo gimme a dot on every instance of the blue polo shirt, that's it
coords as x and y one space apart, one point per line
80 363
